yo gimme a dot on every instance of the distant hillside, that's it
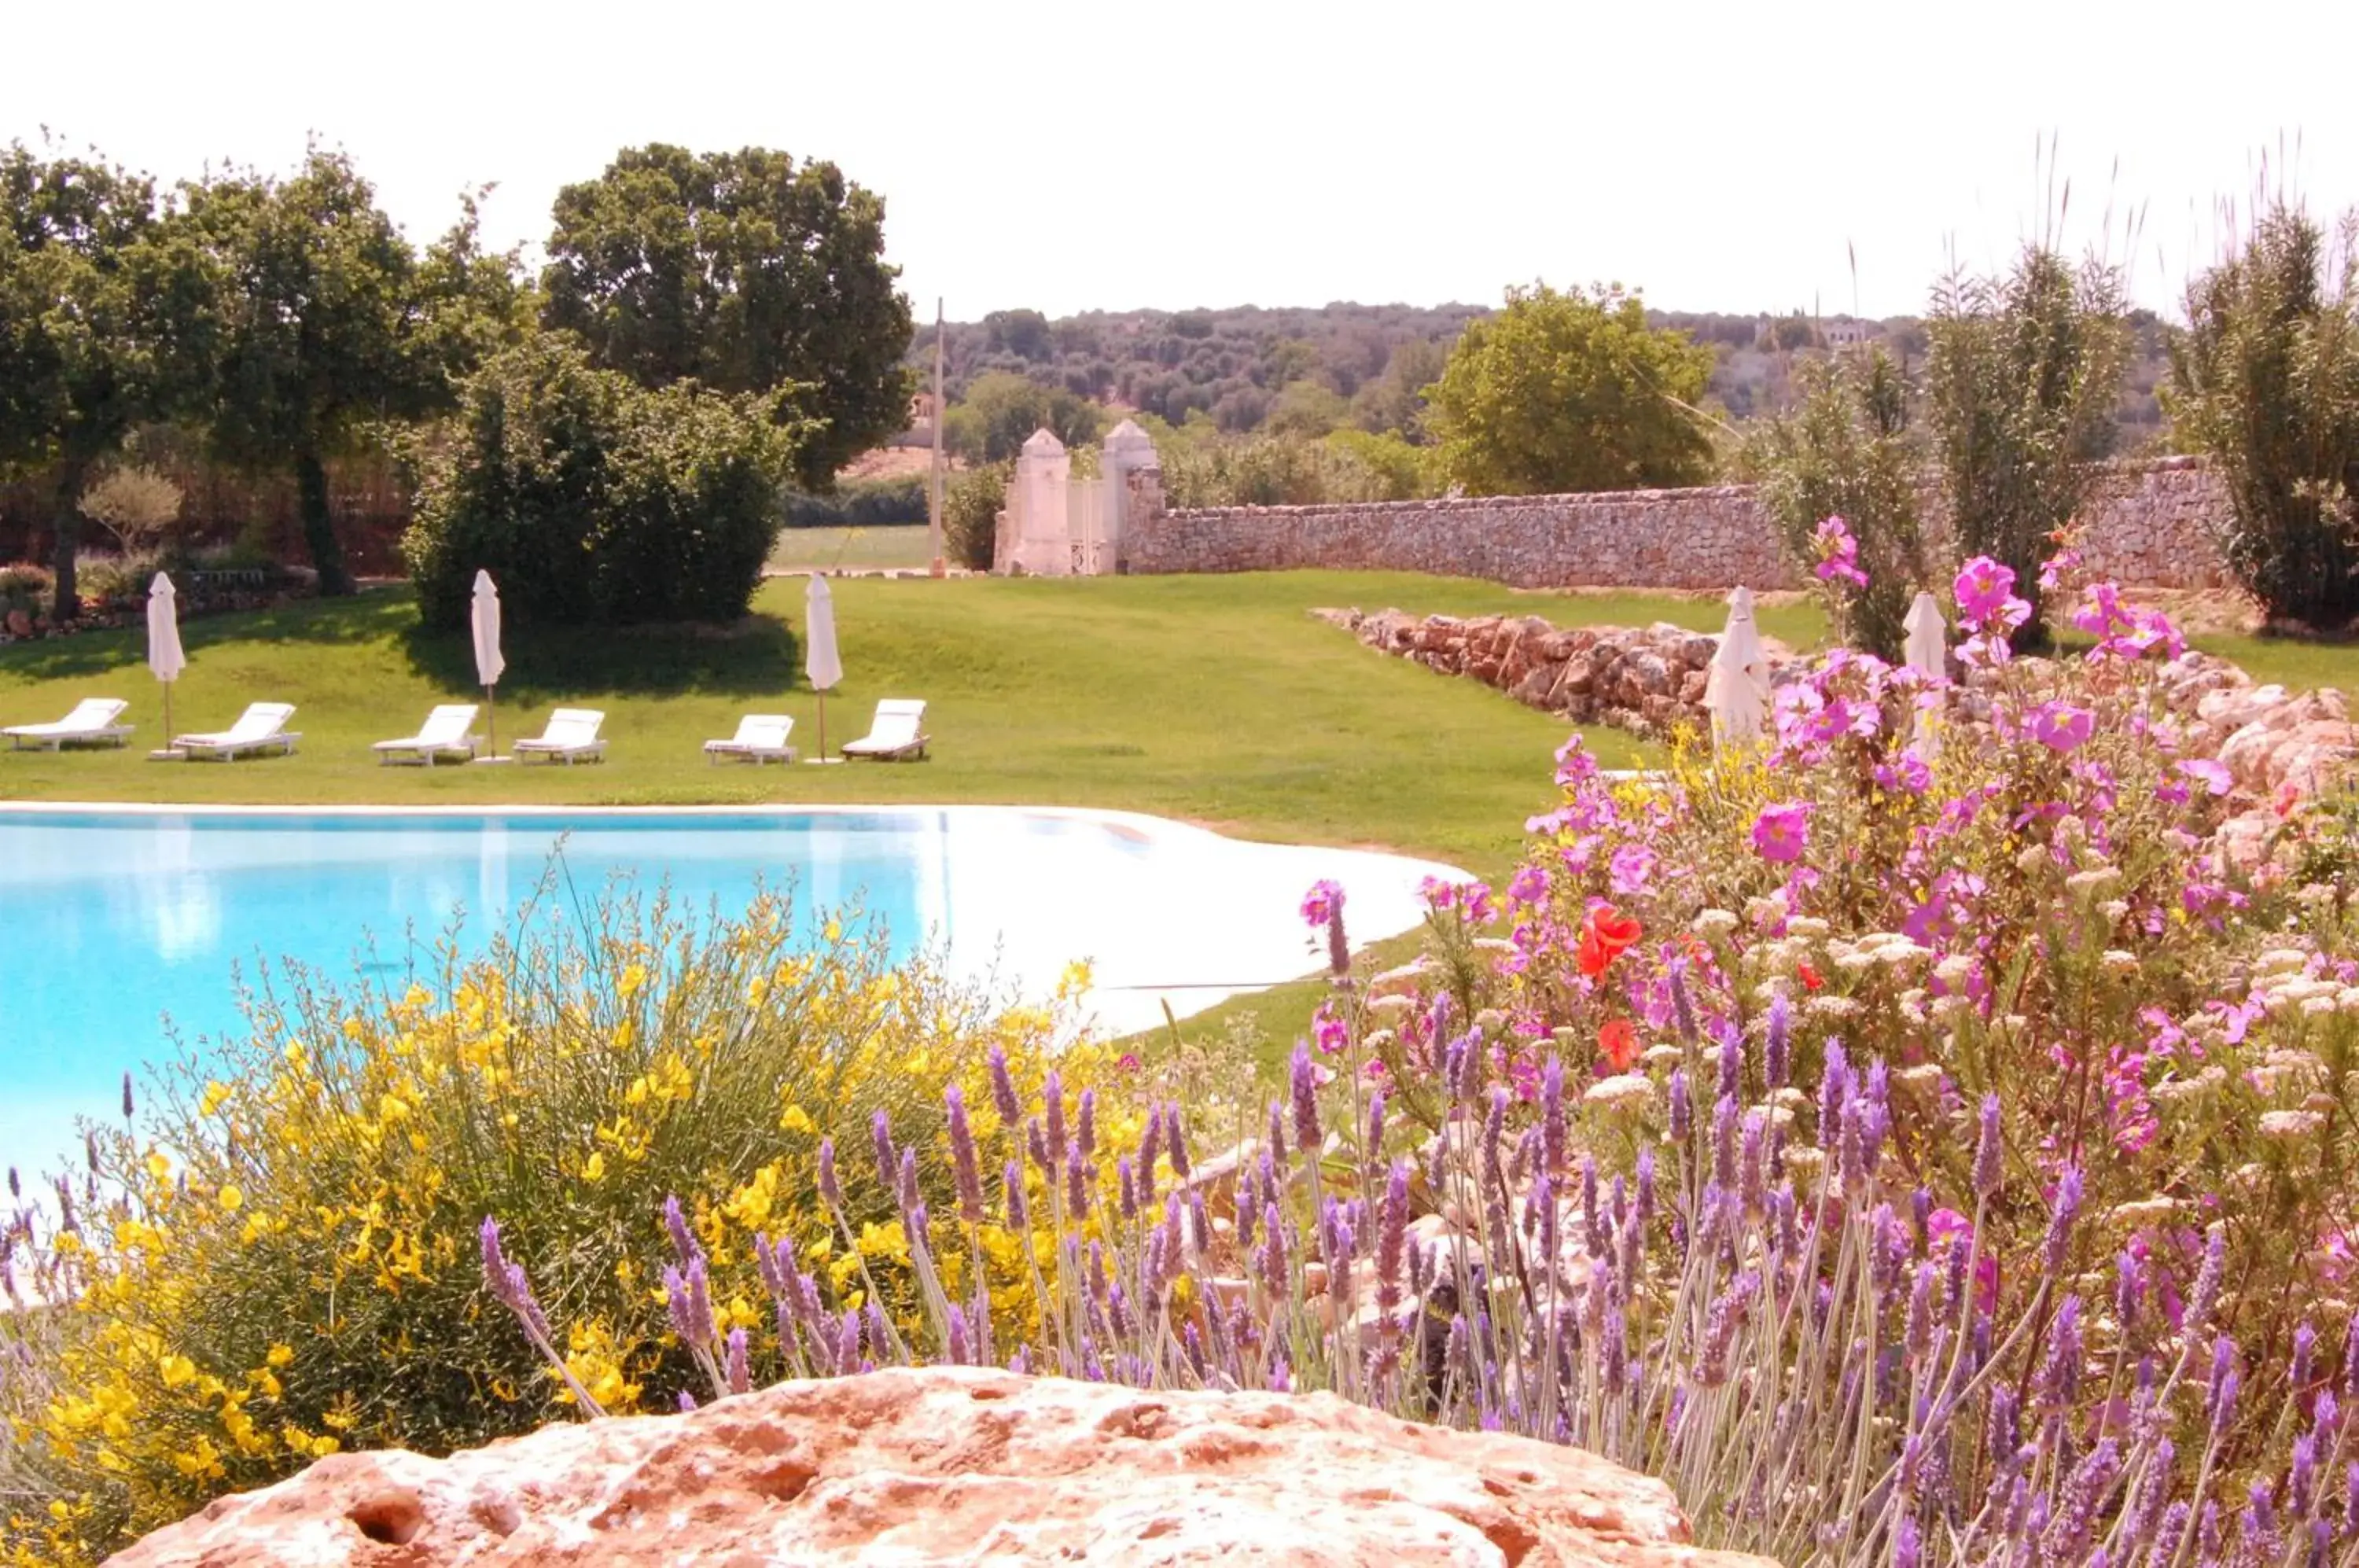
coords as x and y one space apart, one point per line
1247 368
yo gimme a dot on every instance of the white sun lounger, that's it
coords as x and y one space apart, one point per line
893 736
448 731
760 737
571 736
262 727
92 723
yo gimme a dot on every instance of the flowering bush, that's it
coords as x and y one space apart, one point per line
279 1258
1828 1361
2003 890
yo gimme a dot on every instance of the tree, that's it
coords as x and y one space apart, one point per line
2265 381
1024 334
97 326
1571 391
1002 409
328 322
1845 452
1395 402
1306 407
593 500
2021 376
747 273
136 504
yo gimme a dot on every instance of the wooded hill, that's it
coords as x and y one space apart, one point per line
1248 368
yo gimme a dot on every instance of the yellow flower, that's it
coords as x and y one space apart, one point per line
231 1199
280 1355
215 1092
158 1166
175 1370
594 1168
797 1120
391 1109
632 980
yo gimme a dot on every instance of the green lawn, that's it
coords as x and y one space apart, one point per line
799 549
1213 698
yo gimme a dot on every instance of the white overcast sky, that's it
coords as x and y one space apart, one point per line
1076 156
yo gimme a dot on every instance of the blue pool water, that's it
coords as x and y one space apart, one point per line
112 922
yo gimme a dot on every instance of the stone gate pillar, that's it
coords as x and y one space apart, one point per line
1128 450
1037 508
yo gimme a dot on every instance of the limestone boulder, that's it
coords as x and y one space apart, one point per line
956 1464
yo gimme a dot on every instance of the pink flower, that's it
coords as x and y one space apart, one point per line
2054 570
1987 600
1528 885
1572 763
1838 553
1782 833
2213 775
1983 586
1632 868
2060 727
1319 904
1331 1031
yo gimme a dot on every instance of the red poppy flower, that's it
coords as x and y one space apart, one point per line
1810 981
1618 1042
1604 936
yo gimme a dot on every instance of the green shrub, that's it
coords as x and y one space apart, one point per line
1206 469
591 500
2021 377
281 1257
107 578
25 586
895 501
971 508
2265 382
1844 452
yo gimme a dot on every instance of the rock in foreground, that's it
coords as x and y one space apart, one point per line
955 1464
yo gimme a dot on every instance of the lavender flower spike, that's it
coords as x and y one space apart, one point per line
1012 1183
675 1226
1305 1099
1052 1105
963 1158
888 1163
1989 1152
2059 1224
1777 1059
1003 1088
740 1374
830 1192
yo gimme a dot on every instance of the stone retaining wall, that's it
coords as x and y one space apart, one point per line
2151 527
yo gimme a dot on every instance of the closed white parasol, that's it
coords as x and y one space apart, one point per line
484 619
1928 654
820 661
164 655
1736 691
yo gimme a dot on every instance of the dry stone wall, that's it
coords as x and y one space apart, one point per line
2150 527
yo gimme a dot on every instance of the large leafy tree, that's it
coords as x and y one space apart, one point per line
1571 391
101 324
744 271
329 324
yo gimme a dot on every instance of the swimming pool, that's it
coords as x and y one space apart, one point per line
113 919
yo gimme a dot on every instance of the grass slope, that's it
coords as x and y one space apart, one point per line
1213 698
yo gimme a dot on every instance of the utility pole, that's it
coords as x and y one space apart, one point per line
934 489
